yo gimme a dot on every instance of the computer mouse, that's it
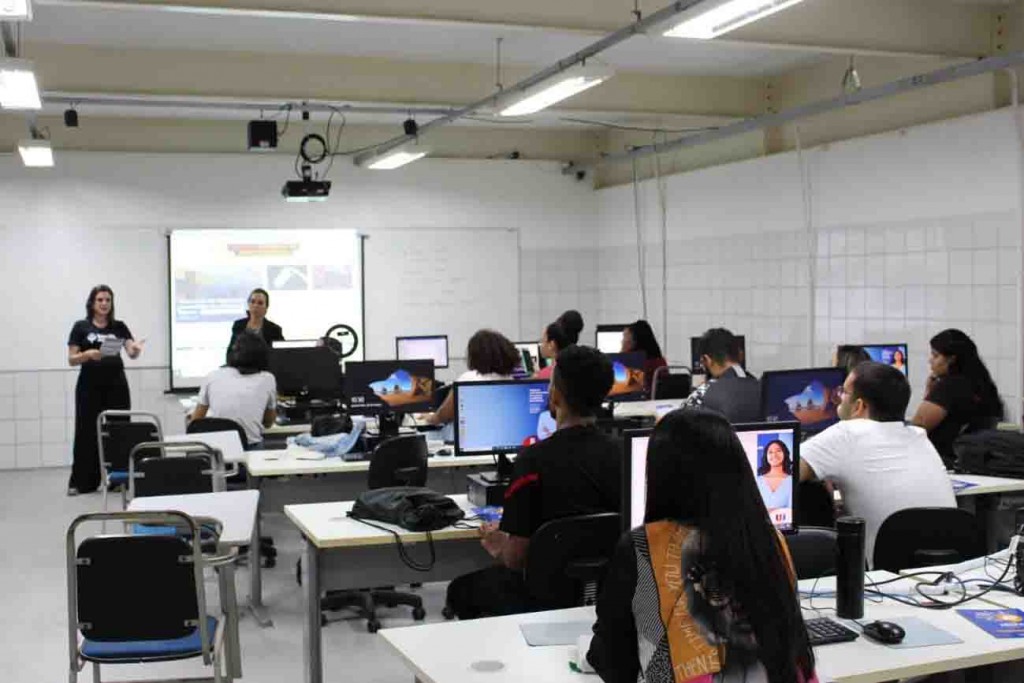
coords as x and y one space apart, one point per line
885 632
444 451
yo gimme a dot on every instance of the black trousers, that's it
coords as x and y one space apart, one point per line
93 395
491 592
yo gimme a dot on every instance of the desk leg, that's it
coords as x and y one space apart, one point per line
229 600
259 611
312 645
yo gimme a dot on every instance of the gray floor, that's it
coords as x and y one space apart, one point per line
34 517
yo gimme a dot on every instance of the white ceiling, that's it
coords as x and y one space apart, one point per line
167 27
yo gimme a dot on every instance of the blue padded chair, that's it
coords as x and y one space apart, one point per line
153 625
117 433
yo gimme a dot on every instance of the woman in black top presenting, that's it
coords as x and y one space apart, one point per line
256 321
101 381
961 396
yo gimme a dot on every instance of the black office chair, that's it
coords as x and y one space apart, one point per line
668 384
174 468
401 461
568 560
237 483
738 398
816 506
118 432
813 550
926 537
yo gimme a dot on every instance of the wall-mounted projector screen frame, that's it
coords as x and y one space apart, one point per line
316 278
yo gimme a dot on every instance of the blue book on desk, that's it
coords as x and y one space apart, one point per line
1000 623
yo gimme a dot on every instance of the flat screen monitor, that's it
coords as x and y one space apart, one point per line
810 397
501 416
313 371
698 369
889 354
434 347
388 386
765 445
609 338
530 360
630 382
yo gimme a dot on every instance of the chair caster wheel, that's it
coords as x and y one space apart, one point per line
448 613
373 626
323 620
419 614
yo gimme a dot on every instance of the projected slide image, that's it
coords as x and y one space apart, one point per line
215 294
627 380
816 403
287 277
332 277
401 388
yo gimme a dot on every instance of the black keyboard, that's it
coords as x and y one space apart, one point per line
824 631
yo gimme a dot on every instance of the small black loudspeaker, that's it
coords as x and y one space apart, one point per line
262 135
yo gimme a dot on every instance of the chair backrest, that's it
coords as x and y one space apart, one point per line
815 506
399 461
217 424
119 431
167 468
738 398
924 537
568 559
813 550
136 587
668 384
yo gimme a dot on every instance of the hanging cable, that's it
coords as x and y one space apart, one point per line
663 206
811 240
497 64
1019 124
637 220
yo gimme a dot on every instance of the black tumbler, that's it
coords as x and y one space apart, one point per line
850 568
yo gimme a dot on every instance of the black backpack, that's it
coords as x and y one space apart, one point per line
410 507
991 452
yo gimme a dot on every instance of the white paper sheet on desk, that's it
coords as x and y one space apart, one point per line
555 632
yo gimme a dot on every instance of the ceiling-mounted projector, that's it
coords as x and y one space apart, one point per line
306 190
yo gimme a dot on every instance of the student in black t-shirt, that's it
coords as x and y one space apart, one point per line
961 396
101 381
576 471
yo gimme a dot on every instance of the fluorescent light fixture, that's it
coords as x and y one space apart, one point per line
562 86
395 158
18 88
36 153
15 10
713 18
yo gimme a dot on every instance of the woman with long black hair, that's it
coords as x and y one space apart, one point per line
961 396
101 385
708 557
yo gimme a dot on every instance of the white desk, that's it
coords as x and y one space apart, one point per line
986 486
227 442
646 408
343 553
296 460
237 513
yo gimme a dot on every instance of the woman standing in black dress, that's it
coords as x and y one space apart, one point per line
101 385
255 321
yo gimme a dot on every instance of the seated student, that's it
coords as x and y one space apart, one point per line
639 337
490 356
849 356
960 396
553 341
729 389
242 390
575 471
572 322
881 464
724 607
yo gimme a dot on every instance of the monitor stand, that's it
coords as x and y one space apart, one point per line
388 425
502 475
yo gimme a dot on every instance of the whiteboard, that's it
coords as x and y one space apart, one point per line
439 281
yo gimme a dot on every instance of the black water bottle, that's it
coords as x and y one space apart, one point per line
850 568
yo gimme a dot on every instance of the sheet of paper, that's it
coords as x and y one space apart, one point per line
111 346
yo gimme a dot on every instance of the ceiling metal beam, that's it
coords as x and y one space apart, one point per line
905 85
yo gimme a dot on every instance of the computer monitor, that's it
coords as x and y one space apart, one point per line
760 443
388 386
895 355
609 338
629 383
530 360
434 347
312 372
698 369
501 416
810 397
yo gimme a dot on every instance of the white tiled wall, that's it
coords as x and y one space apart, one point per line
37 413
553 281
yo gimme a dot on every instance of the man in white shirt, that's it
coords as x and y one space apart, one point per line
881 464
